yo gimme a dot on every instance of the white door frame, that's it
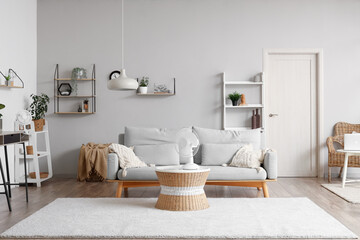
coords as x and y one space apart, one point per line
319 95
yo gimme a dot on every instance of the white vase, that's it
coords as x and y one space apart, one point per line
143 90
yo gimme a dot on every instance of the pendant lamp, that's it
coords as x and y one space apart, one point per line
122 82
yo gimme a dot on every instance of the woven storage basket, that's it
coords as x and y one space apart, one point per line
186 191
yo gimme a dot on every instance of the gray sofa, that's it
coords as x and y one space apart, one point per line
158 147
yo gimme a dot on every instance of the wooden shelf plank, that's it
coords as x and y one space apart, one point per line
74 112
243 83
4 86
79 79
155 94
90 96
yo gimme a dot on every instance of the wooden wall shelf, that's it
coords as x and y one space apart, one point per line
74 112
91 97
155 94
159 94
4 86
80 79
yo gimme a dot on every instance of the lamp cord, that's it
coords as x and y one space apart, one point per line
122 33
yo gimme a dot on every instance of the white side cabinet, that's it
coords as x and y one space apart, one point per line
34 159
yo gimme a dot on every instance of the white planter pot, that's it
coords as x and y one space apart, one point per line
143 90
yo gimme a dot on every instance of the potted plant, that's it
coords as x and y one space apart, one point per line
77 73
86 105
9 82
143 85
1 107
38 108
234 97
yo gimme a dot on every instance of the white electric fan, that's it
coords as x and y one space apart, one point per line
24 118
188 147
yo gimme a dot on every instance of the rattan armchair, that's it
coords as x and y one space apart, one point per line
336 159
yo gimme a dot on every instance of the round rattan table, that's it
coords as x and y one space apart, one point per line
182 190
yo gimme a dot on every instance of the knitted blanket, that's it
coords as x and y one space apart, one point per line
93 162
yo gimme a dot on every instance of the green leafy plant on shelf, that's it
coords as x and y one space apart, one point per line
234 97
144 82
38 108
2 106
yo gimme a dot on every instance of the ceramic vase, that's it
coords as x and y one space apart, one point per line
143 90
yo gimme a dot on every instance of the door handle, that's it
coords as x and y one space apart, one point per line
273 115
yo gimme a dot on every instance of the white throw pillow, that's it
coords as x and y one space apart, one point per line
127 157
246 157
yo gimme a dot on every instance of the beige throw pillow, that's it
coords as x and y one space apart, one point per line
127 157
246 157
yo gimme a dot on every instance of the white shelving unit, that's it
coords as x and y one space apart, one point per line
248 107
34 160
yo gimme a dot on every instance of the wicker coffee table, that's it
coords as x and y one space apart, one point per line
182 190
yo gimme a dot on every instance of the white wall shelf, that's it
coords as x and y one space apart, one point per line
243 83
247 107
35 158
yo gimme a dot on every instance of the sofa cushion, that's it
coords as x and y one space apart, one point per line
158 154
247 157
227 136
218 153
149 136
216 173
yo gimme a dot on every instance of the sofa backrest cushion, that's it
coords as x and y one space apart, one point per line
158 154
150 136
216 154
243 137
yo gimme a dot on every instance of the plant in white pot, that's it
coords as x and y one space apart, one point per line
143 85
1 107
38 108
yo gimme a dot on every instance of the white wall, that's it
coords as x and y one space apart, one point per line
194 41
18 50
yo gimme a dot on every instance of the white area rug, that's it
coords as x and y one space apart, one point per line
350 193
137 218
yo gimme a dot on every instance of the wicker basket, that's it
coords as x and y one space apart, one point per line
42 175
182 191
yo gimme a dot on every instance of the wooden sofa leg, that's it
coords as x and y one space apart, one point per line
259 188
126 192
265 190
329 174
119 189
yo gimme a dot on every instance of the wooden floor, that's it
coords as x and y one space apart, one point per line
346 213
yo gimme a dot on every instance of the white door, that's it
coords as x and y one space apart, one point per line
291 112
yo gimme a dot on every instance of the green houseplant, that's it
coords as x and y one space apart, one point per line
1 107
143 85
38 108
234 97
8 81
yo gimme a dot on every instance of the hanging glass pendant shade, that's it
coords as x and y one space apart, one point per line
123 82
